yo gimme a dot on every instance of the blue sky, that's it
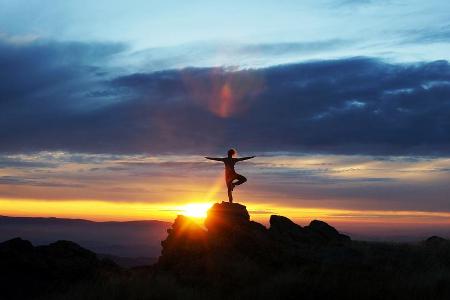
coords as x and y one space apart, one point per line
357 87
202 33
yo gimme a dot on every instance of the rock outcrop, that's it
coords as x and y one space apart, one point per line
44 269
186 240
435 241
326 232
230 236
319 232
226 217
284 230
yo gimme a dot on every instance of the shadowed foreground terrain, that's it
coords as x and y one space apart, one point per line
234 258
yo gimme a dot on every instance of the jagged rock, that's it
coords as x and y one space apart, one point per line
230 238
326 232
186 241
185 229
283 229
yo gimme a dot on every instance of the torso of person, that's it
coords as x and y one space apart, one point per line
230 173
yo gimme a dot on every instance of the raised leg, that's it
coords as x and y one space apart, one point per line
240 179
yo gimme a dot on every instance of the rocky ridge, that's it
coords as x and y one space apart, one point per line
230 237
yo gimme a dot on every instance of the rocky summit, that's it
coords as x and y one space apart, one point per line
230 237
225 217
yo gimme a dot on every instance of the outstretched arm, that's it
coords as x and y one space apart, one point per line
214 158
244 158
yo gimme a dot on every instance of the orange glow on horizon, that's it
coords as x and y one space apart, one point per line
127 211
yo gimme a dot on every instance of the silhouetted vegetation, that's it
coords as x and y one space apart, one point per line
235 258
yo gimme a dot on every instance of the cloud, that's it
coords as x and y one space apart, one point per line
44 81
356 3
428 35
352 106
18 39
291 47
6 162
17 180
355 105
206 54
333 181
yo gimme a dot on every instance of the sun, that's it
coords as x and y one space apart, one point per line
195 210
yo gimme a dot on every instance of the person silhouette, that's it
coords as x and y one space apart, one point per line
230 173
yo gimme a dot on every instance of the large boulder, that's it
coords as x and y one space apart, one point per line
324 232
226 217
44 269
186 241
317 232
230 230
283 229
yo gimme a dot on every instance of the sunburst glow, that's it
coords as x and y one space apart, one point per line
196 210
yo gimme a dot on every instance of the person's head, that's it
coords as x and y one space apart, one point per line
231 153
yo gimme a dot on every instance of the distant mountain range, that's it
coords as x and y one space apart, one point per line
133 239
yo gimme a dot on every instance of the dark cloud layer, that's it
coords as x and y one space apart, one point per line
56 96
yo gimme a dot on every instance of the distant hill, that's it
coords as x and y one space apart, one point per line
123 239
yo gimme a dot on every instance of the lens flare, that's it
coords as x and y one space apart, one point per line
226 101
224 93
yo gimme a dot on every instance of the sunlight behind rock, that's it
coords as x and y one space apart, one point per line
195 210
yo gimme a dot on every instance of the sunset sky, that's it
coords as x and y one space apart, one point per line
107 109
